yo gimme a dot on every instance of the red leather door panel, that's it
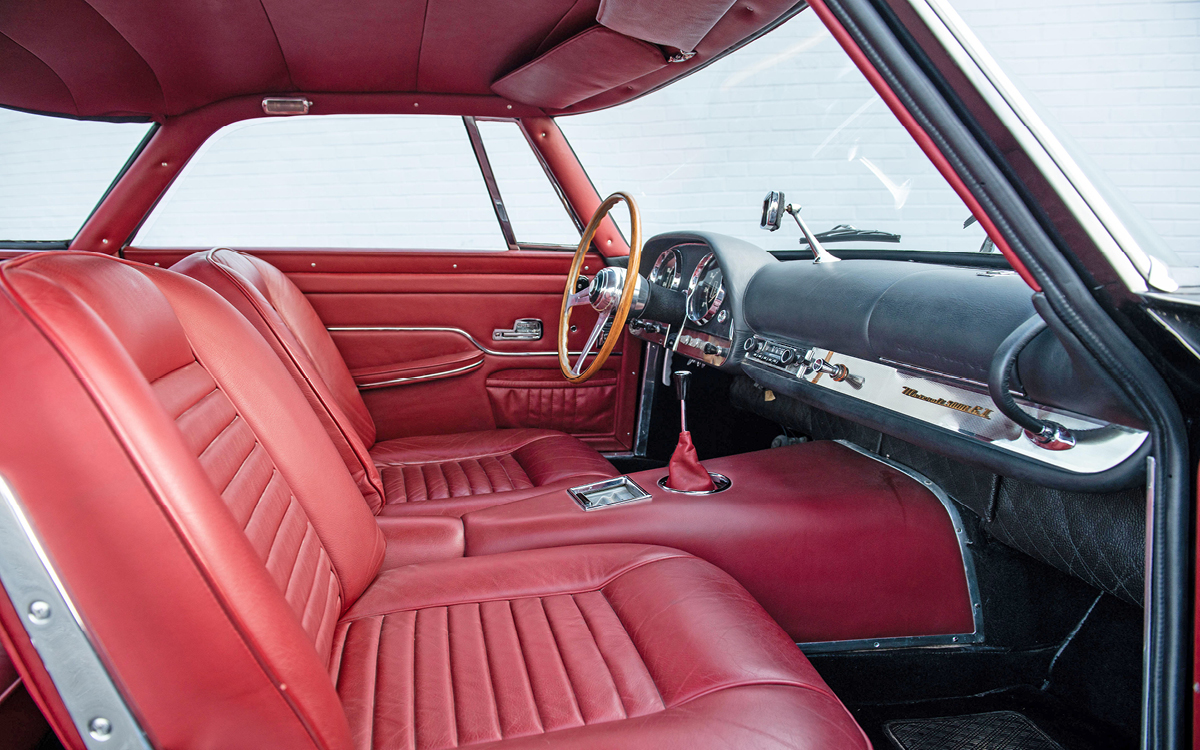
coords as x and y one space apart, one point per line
434 367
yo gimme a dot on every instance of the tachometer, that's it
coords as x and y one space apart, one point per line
706 290
666 271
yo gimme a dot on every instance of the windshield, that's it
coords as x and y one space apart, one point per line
788 112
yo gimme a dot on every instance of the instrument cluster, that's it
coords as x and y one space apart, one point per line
706 335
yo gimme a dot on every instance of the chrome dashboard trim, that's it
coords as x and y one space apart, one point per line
968 558
695 281
936 375
58 634
417 378
669 252
966 409
448 329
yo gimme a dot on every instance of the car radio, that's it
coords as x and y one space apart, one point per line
783 356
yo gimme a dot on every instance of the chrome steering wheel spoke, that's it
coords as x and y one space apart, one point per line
582 297
595 335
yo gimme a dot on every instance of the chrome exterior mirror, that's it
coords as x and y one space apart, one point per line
772 213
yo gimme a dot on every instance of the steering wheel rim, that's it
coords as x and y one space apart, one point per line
618 311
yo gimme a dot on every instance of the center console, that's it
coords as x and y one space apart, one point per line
836 544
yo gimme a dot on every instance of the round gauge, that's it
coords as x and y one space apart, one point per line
666 271
706 290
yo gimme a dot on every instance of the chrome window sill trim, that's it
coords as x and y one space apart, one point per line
448 329
418 378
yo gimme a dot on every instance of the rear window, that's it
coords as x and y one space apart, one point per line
53 172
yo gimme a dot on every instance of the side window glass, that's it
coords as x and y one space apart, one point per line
535 209
53 172
401 182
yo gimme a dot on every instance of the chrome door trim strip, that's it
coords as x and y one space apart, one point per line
57 633
449 329
964 546
416 378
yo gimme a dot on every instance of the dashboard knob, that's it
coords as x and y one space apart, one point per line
750 344
786 356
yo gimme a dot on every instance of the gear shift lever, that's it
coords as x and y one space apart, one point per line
682 378
685 473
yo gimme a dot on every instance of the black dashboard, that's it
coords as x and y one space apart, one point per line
904 348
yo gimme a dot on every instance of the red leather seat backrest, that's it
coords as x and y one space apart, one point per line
209 533
281 313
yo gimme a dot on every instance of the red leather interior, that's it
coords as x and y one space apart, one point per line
684 472
108 58
876 552
568 73
542 398
567 646
398 471
471 465
155 438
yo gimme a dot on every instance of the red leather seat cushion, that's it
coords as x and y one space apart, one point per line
479 469
602 645
490 468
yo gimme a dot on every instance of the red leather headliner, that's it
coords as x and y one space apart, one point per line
92 58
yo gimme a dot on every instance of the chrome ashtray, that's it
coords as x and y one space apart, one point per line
720 484
607 493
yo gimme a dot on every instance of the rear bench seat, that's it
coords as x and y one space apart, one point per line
219 554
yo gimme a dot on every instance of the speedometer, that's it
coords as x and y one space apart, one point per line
667 269
706 290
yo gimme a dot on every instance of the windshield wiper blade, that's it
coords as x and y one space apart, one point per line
847 233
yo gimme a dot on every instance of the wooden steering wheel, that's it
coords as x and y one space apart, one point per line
611 294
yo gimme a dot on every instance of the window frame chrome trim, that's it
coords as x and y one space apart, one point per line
1137 270
66 648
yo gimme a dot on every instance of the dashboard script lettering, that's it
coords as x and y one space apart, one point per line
977 411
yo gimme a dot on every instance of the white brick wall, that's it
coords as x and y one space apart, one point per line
788 112
1122 78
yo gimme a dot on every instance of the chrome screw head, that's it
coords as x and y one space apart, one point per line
100 728
39 612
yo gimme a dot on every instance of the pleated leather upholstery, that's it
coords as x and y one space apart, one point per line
441 467
552 645
259 498
450 466
225 477
487 671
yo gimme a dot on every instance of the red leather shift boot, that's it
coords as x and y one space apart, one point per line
685 472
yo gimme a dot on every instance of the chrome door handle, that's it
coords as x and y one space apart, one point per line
525 329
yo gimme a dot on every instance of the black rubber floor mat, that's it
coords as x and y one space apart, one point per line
997 730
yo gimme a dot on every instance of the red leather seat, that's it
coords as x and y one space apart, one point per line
225 566
460 472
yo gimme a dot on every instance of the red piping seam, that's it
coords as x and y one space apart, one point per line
587 589
921 137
